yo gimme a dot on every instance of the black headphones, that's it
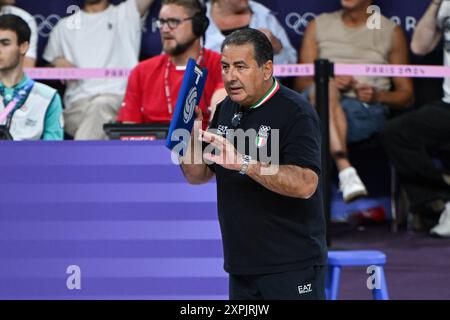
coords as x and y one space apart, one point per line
200 21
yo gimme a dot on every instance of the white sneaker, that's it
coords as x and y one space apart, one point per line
351 185
442 229
447 178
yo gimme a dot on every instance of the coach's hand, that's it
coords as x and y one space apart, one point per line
197 122
194 150
226 154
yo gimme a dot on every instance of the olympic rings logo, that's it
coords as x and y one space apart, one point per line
189 105
298 22
46 24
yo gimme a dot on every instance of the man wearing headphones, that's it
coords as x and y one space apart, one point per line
154 84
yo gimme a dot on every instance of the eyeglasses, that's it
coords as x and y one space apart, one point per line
172 23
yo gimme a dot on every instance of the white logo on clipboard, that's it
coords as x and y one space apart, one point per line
191 100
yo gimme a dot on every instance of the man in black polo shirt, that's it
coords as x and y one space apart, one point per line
263 145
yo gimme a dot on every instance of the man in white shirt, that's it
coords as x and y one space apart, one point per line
107 36
7 7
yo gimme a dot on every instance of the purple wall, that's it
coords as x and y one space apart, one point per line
121 211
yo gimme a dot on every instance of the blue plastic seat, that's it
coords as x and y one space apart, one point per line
339 259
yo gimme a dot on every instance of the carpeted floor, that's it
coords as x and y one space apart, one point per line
418 266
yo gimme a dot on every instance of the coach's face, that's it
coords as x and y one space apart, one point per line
245 81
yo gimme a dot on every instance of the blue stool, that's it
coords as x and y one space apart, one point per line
339 259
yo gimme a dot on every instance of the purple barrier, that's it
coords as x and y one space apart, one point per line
120 212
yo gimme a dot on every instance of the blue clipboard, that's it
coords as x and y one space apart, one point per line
183 117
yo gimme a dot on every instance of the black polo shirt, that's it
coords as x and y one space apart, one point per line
264 232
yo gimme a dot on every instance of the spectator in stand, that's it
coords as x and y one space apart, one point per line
409 138
109 36
358 105
154 84
229 15
37 109
7 7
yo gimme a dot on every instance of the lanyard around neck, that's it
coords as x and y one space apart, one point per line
19 97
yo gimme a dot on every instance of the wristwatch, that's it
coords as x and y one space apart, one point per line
245 164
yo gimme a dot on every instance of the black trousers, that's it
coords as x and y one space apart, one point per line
304 284
408 140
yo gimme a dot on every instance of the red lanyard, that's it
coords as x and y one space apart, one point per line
166 81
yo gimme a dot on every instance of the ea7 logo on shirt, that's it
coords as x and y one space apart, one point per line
304 289
263 134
